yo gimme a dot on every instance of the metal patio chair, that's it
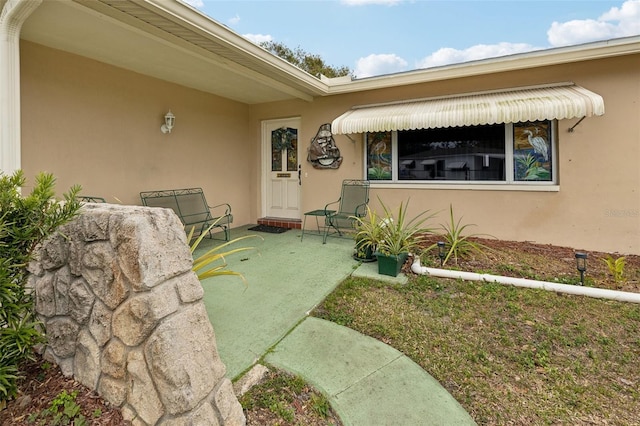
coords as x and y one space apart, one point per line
352 202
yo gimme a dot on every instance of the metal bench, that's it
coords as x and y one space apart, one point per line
192 208
90 199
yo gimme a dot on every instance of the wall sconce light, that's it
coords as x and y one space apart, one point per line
169 121
581 264
441 253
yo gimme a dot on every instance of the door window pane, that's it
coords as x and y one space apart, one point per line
292 151
284 142
276 151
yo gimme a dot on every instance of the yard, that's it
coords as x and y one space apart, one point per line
508 355
512 355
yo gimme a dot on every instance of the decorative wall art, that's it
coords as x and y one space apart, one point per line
532 151
323 152
379 156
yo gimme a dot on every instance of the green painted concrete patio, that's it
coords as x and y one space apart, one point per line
267 318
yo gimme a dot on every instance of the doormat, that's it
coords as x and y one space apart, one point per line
268 228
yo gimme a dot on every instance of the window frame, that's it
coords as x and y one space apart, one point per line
510 183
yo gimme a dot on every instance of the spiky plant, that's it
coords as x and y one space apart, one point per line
400 234
457 242
212 263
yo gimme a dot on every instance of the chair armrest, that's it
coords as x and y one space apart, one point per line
361 210
326 212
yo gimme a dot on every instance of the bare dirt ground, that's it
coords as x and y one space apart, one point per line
547 263
519 259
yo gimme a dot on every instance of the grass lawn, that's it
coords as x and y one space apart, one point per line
508 355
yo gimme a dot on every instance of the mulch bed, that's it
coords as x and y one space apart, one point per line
41 385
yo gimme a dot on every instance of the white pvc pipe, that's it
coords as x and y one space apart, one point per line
601 293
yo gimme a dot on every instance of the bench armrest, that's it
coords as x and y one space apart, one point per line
226 206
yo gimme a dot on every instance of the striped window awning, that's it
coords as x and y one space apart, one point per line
562 101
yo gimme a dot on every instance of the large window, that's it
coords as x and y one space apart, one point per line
500 153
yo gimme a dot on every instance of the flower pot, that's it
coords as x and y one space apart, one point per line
363 254
391 264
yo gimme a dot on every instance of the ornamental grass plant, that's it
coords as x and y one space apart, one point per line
399 233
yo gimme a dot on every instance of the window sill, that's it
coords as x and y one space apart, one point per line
466 186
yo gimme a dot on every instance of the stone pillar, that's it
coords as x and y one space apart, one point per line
124 315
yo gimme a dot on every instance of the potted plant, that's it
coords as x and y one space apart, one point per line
368 232
399 236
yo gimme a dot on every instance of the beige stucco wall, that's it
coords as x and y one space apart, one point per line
99 126
597 206
96 125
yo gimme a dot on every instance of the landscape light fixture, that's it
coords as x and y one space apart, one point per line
441 252
581 264
169 121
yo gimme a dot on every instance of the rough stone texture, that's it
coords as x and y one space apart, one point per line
87 360
113 390
225 400
81 300
123 313
142 396
61 334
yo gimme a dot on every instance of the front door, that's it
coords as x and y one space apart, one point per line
281 165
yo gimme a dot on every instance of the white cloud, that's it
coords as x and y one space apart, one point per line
617 22
234 20
620 21
379 64
198 4
367 2
258 38
448 55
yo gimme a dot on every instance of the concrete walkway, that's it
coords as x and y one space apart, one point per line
367 382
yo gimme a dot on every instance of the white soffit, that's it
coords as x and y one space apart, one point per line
561 101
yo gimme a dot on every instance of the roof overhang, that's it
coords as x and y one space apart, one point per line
560 101
171 41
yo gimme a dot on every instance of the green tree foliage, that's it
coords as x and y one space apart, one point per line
25 221
313 64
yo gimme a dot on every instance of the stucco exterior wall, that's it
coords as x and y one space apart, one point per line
597 206
96 125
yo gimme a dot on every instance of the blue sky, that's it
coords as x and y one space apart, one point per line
374 37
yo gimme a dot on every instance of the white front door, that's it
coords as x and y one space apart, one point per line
281 168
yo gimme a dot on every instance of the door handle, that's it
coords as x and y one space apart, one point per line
299 174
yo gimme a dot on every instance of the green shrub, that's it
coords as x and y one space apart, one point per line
25 221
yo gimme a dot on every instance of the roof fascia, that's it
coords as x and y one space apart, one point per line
540 58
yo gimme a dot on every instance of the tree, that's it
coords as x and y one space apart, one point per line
313 64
